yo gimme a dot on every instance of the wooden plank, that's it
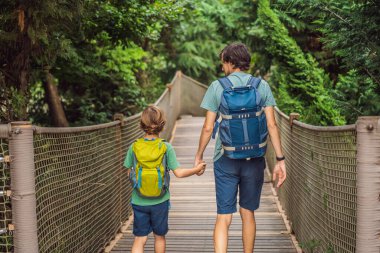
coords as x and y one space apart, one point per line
193 207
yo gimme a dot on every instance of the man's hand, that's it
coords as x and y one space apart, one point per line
201 167
279 173
197 160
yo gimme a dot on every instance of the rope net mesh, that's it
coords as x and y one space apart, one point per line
319 195
6 239
79 186
83 192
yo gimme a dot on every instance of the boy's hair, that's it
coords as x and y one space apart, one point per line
152 120
237 54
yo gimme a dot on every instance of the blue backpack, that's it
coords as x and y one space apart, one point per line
241 121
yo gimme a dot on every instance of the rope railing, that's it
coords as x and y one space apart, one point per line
320 196
70 192
6 238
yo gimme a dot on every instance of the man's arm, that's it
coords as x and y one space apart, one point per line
206 133
279 170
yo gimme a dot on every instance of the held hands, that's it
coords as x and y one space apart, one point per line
279 172
201 167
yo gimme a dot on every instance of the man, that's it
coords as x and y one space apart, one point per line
231 174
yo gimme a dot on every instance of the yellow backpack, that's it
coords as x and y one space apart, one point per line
149 175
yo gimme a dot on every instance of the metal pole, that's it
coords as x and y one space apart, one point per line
23 188
368 185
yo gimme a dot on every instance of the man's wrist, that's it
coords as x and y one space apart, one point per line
199 156
280 158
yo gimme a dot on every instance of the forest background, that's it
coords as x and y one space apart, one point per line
78 62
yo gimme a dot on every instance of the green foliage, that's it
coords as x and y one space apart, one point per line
300 81
357 95
349 31
314 246
116 56
99 78
101 83
310 246
201 33
197 41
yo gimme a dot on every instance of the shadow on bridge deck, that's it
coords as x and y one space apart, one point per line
193 207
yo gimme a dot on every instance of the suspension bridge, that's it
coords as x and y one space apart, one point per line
65 190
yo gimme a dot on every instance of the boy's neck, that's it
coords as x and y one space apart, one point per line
151 136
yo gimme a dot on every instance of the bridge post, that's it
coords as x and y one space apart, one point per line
368 185
23 198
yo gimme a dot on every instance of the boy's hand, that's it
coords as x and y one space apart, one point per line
200 173
128 172
201 167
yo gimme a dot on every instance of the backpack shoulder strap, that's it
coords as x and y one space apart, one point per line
134 156
225 82
255 82
165 159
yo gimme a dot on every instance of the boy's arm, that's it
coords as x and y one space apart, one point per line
128 161
182 172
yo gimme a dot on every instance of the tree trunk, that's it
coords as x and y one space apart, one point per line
141 75
57 114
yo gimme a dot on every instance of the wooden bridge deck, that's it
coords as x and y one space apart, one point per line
193 207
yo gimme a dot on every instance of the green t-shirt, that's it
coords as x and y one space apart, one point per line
212 98
173 164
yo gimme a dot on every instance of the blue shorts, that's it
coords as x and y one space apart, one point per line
151 218
242 174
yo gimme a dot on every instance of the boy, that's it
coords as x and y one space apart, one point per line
149 160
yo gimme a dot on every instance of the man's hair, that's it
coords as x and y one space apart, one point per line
237 54
152 120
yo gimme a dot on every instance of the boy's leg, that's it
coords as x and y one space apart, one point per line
160 215
223 222
249 229
141 227
159 243
138 244
226 186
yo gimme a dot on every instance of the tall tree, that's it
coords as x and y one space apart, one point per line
31 37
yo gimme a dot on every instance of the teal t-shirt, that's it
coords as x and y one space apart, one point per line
173 164
212 98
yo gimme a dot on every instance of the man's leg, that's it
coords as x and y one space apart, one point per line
223 222
159 243
249 229
251 183
226 186
139 243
